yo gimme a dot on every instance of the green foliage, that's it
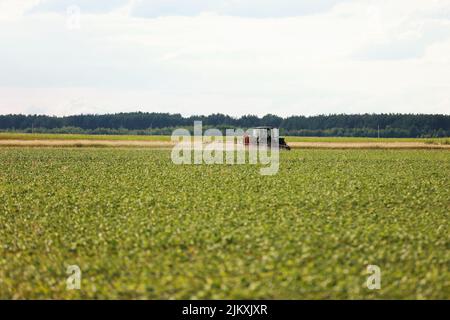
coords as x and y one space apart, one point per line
141 227
141 123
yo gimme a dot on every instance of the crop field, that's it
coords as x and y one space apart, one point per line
56 136
165 142
139 226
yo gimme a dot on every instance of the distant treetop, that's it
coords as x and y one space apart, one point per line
364 125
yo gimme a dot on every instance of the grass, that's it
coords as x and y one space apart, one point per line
365 139
53 136
141 227
438 141
57 136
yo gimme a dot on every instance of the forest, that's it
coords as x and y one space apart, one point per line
144 123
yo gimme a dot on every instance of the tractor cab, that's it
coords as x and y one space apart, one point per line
260 135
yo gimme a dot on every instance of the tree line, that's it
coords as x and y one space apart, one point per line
349 125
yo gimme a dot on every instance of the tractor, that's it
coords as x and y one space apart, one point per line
259 135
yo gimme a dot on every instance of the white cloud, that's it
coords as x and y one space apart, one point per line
359 56
161 8
88 6
13 9
241 8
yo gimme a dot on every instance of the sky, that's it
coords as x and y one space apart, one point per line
237 57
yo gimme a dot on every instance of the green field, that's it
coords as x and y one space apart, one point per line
365 139
139 226
56 136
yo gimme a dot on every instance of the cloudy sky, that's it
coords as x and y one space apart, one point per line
238 57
